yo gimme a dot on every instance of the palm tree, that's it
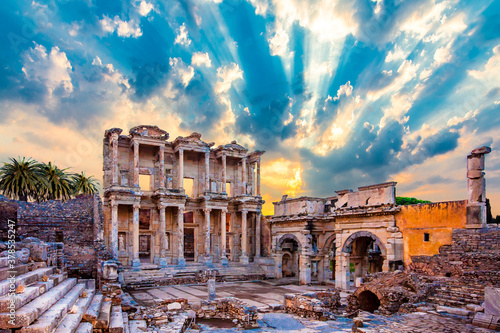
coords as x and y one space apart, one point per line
84 185
20 179
58 185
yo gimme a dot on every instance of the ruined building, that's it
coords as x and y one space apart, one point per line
175 202
351 234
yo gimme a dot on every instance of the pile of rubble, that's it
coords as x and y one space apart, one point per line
389 293
165 316
228 308
320 305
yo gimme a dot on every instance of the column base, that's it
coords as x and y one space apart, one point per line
181 262
156 260
208 261
162 262
244 260
224 261
136 264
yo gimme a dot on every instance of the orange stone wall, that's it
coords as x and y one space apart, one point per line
437 219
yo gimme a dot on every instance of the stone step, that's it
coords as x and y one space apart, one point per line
116 321
93 310
47 322
85 328
125 322
4 261
25 279
137 326
104 316
72 320
36 308
30 293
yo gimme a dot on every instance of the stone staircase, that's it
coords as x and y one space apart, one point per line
53 303
455 294
189 274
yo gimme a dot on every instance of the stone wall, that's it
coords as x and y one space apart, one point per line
473 256
438 220
77 223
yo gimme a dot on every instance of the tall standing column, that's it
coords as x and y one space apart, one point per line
161 159
163 238
258 177
224 181
207 170
114 159
136 164
181 261
114 229
136 263
223 235
257 234
244 237
181 169
208 258
244 178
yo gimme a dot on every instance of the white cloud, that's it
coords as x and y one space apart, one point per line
406 72
201 59
443 55
278 43
123 28
491 73
180 71
182 37
345 89
53 69
145 8
396 54
260 6
458 120
227 75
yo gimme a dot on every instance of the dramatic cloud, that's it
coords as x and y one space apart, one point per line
182 36
123 28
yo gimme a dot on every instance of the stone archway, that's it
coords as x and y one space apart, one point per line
285 237
330 251
290 249
362 253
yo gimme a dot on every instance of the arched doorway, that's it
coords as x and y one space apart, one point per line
366 254
331 250
368 301
289 245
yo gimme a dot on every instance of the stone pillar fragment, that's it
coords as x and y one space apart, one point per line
163 238
161 163
224 181
181 261
207 170
223 227
258 178
244 178
476 188
136 163
114 159
114 229
257 234
181 169
305 269
208 257
244 237
136 263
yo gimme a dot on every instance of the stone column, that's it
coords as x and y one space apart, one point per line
223 226
305 269
162 166
207 170
181 261
252 179
208 258
224 174
136 163
257 234
278 262
114 159
258 178
114 229
163 238
244 237
136 263
342 274
476 188
181 169
244 178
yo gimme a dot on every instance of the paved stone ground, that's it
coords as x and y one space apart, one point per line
263 293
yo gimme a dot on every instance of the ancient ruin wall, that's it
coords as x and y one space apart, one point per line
435 219
71 223
473 257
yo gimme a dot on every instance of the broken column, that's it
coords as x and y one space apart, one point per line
476 188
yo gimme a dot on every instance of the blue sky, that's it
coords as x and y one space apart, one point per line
340 94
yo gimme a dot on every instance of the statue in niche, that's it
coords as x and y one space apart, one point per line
121 242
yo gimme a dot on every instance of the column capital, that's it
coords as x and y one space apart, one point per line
207 210
224 210
136 205
244 211
113 203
